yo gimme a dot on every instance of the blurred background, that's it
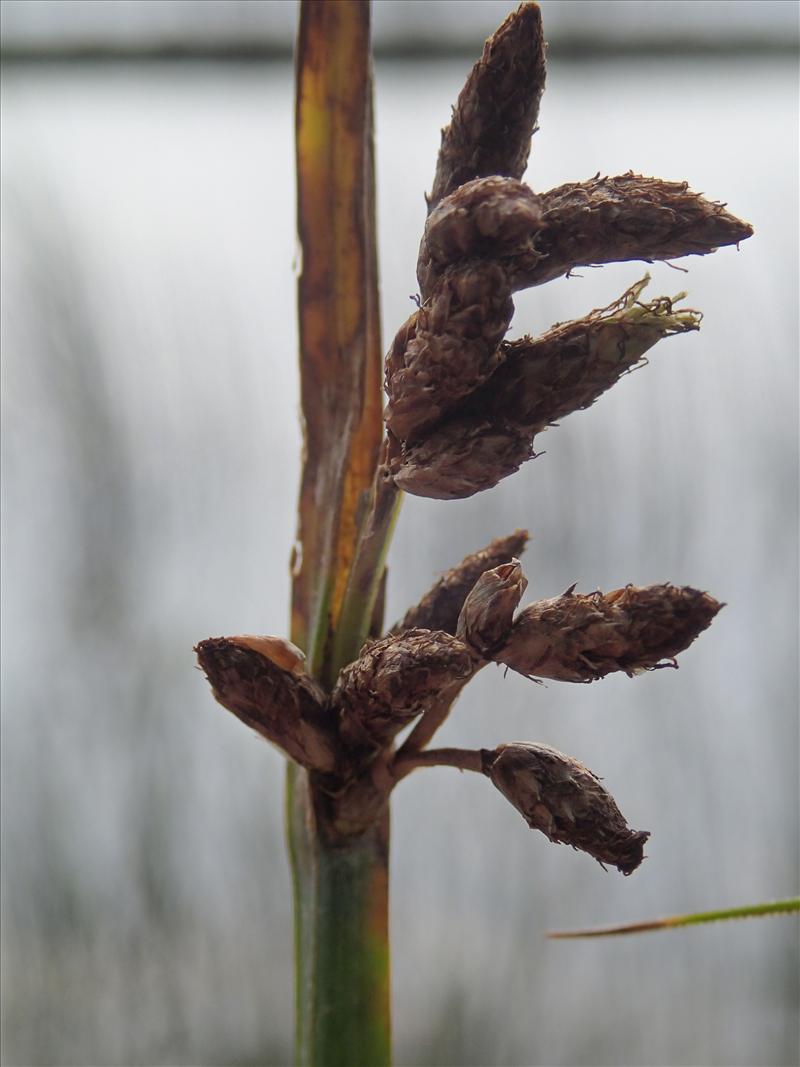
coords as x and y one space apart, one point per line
150 467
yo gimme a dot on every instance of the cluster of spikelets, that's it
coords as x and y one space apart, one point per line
464 403
464 406
346 738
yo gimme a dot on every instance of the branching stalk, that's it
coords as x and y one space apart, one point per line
464 759
435 715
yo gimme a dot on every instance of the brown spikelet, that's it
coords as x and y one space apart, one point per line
565 800
440 607
488 218
581 637
611 220
448 348
263 684
545 378
539 381
393 681
462 457
485 620
495 117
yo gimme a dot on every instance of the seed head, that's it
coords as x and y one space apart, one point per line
393 681
565 800
620 218
543 379
488 218
495 116
538 381
440 607
581 637
462 457
485 620
448 348
263 682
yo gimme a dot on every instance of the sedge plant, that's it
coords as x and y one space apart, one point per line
463 407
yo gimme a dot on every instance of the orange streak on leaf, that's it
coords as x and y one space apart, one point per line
339 330
367 436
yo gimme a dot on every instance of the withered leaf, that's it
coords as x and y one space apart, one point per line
340 349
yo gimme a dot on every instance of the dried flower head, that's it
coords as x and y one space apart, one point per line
485 620
546 378
462 457
626 217
448 348
263 682
464 407
440 607
496 111
565 800
539 381
489 218
580 637
393 681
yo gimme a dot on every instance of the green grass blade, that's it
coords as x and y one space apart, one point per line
749 911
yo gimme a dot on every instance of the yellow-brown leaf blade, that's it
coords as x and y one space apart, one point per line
339 330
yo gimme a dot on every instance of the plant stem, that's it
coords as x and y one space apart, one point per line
464 759
342 944
434 717
340 886
367 572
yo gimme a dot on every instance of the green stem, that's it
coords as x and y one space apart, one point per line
366 573
341 940
341 891
749 911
